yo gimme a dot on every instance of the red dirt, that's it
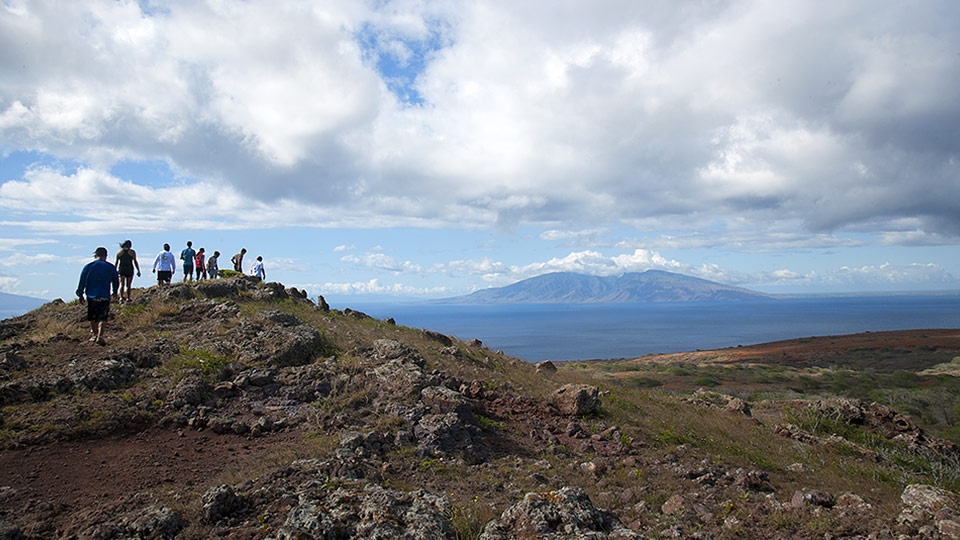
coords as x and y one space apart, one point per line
902 349
65 477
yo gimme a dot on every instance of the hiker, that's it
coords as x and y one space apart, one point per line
187 256
125 262
237 260
258 269
97 280
213 265
201 268
165 265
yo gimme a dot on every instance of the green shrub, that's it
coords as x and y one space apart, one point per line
706 380
643 382
206 362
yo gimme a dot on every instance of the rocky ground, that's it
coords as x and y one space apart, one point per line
241 409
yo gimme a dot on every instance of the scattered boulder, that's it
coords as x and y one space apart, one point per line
350 513
282 346
9 531
189 391
281 318
577 399
882 419
155 522
220 502
294 292
928 506
563 514
447 435
546 367
442 400
391 349
717 400
10 361
219 288
105 375
812 497
438 337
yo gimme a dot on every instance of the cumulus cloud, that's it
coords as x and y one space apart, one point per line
884 277
10 284
830 117
29 260
374 287
382 262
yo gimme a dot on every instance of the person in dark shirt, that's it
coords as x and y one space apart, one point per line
99 282
126 262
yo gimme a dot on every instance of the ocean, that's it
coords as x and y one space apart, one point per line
537 332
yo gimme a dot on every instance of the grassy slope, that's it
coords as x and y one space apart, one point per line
643 398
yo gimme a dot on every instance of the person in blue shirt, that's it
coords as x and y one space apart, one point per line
187 256
99 282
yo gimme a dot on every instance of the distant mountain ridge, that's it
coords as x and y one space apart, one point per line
15 303
648 286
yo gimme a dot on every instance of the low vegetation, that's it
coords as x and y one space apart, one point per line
252 387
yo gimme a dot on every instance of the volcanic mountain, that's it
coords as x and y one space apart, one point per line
648 286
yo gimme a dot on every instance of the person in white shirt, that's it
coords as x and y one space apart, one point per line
165 265
258 269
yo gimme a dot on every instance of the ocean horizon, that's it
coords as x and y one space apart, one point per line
567 332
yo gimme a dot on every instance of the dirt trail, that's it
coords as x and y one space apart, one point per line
68 476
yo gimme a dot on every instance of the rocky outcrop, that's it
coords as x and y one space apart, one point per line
716 400
929 511
279 343
219 503
100 375
883 419
398 370
564 514
367 512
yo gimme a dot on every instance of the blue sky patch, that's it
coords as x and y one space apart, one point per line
400 59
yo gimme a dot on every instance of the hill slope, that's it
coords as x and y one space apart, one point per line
649 286
239 409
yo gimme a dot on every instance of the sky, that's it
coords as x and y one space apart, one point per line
413 149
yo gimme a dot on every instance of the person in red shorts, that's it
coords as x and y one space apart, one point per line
99 282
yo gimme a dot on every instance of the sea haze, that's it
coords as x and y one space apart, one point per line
536 332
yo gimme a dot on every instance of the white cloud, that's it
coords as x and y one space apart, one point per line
734 124
382 262
884 277
374 287
10 284
8 244
29 260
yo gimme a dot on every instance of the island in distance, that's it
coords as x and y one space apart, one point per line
573 288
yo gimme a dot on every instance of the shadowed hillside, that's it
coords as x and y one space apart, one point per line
240 409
